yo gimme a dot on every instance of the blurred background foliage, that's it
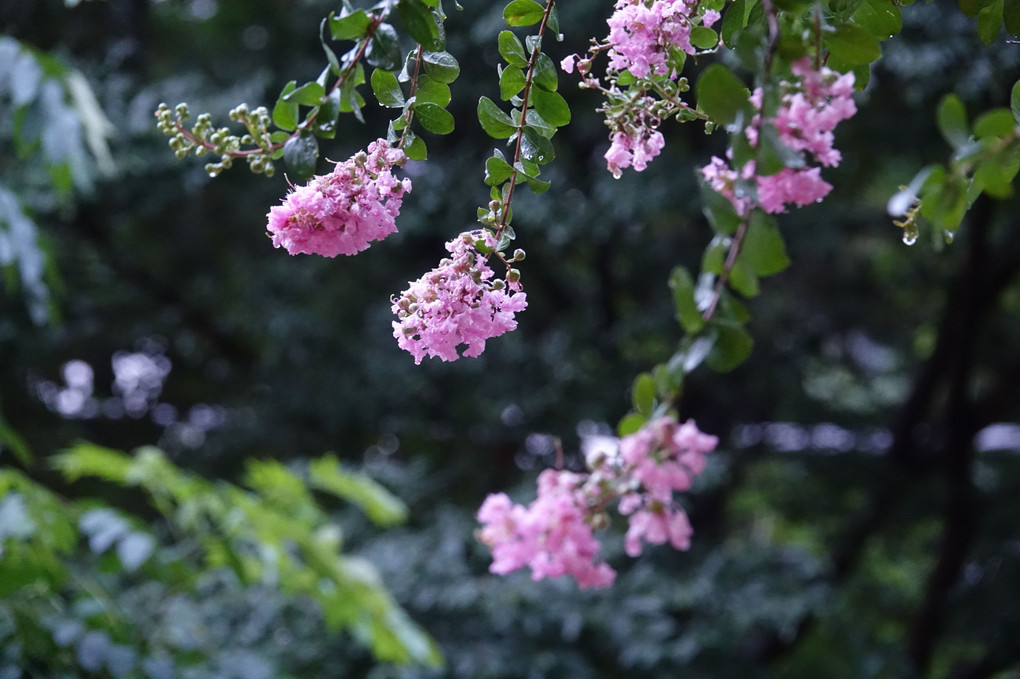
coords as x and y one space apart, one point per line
859 519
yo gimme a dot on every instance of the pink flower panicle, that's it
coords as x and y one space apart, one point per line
809 110
642 35
553 536
647 40
457 303
634 149
344 211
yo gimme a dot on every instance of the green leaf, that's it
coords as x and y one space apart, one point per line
1014 101
414 147
995 123
718 210
511 49
952 120
1011 16
732 24
743 280
495 122
995 175
732 346
682 285
553 23
545 75
309 94
881 18
551 106
387 89
382 507
763 249
441 66
536 148
301 153
497 170
642 394
851 44
88 459
536 121
419 21
434 118
704 38
715 255
350 100
11 440
972 7
523 13
285 113
537 185
349 27
630 424
431 90
334 63
511 81
720 94
989 21
329 112
384 49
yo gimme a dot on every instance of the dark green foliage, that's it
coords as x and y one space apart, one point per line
849 434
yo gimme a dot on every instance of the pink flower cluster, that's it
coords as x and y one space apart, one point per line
644 39
344 211
635 148
642 35
457 303
553 536
808 112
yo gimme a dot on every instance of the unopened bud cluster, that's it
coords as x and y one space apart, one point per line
203 138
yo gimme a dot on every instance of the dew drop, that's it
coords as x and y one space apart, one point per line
950 235
909 237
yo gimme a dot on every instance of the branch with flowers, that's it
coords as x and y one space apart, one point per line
777 77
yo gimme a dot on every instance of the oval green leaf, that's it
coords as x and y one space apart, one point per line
387 89
434 118
850 44
551 106
720 94
494 121
511 81
441 66
431 90
511 49
301 153
523 13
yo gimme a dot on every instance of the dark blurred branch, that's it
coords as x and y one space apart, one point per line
947 373
959 515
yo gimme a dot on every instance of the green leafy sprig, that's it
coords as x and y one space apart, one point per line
529 81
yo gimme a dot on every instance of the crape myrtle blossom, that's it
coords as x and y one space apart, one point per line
635 143
646 40
643 34
809 110
344 211
553 536
457 303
